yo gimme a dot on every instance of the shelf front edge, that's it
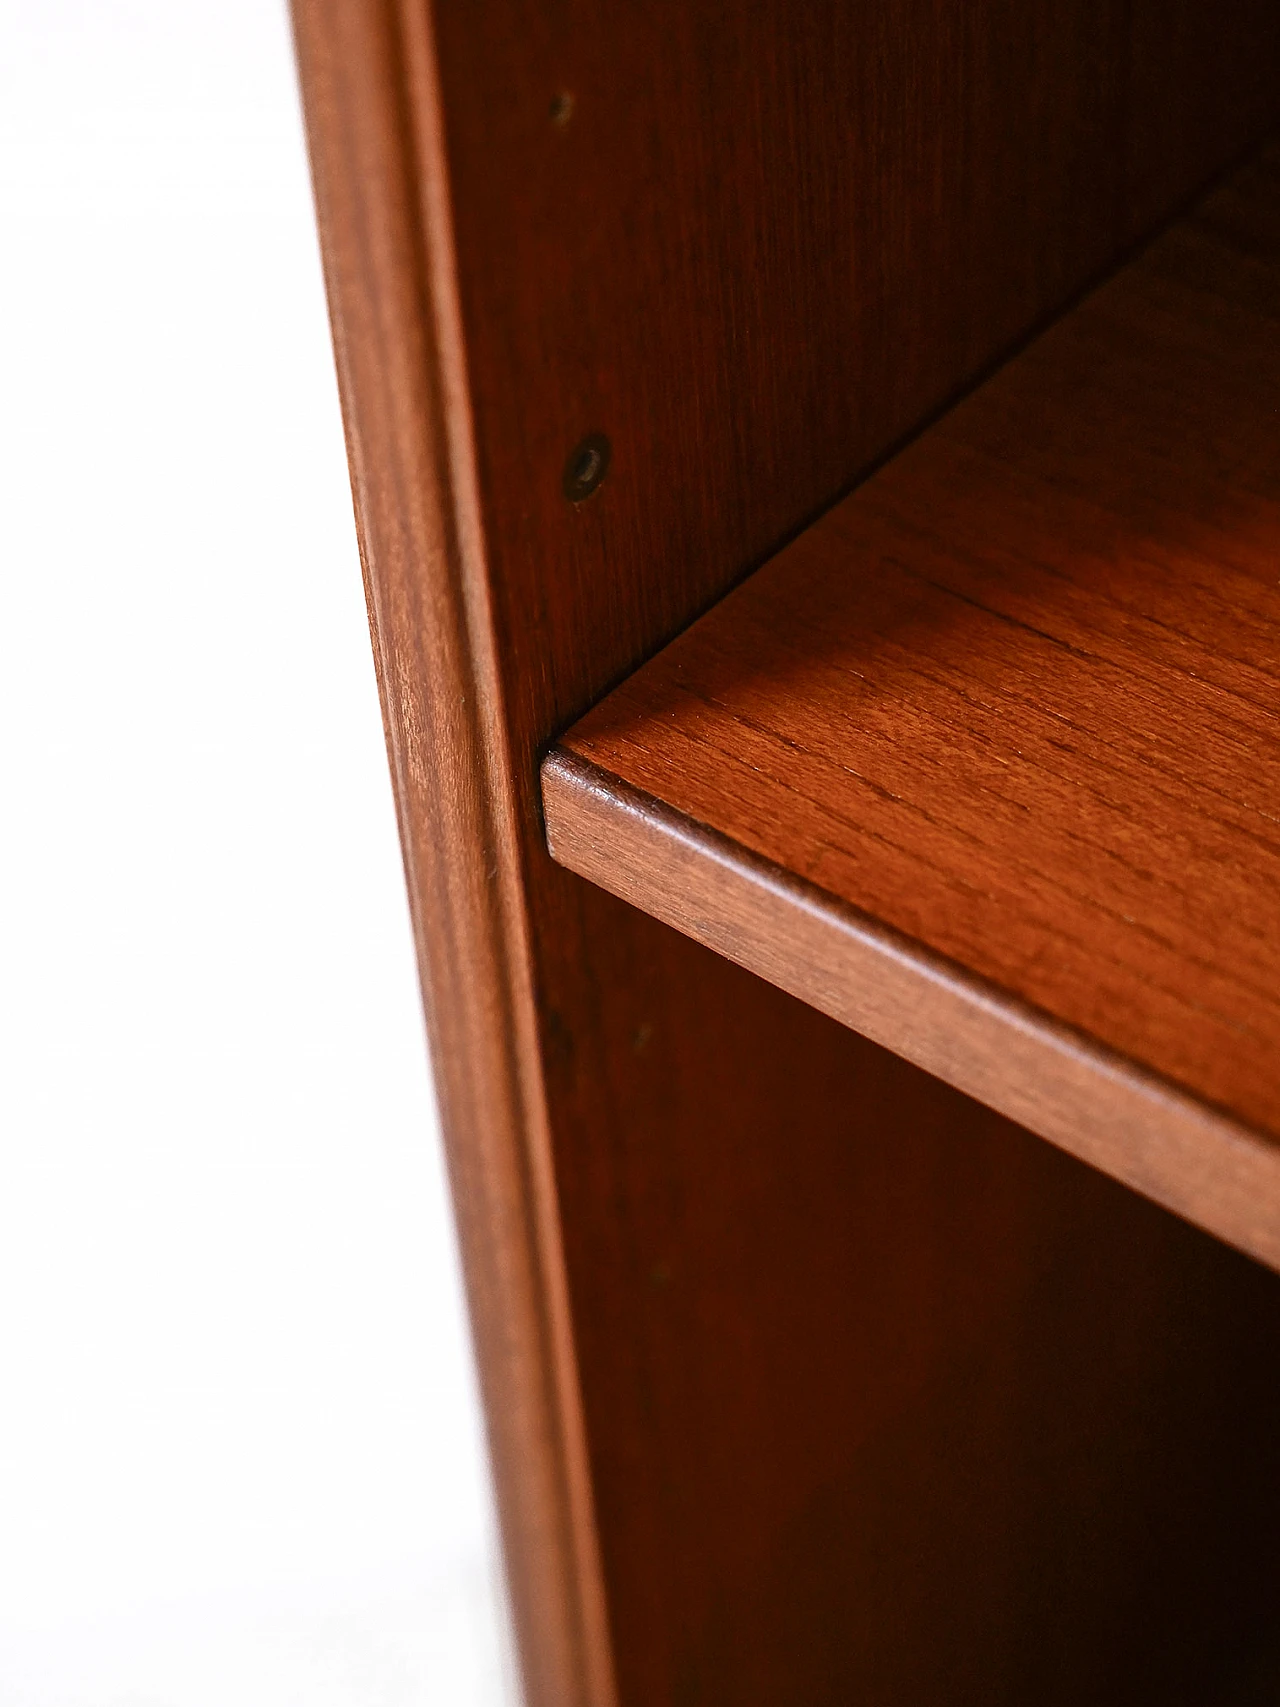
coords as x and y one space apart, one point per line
1111 1113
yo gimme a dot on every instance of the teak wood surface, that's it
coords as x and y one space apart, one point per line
987 762
806 1378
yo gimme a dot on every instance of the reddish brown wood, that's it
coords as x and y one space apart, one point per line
1011 717
768 242
756 245
378 174
891 1401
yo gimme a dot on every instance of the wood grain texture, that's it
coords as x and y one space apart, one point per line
365 69
889 1400
1011 715
769 241
753 248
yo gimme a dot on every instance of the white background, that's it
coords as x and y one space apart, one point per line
240 1457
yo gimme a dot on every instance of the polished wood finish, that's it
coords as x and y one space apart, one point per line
378 175
986 763
890 1400
769 240
753 245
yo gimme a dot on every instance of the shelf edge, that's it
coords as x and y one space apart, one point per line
1110 1112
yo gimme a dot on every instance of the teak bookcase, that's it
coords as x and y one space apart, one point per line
818 476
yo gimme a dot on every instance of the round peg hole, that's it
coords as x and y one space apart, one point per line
587 466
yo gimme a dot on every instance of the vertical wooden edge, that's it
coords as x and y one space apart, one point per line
374 128
1109 1112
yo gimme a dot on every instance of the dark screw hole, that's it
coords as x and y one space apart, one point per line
561 108
587 466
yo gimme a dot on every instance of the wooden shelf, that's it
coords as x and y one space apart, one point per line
986 764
